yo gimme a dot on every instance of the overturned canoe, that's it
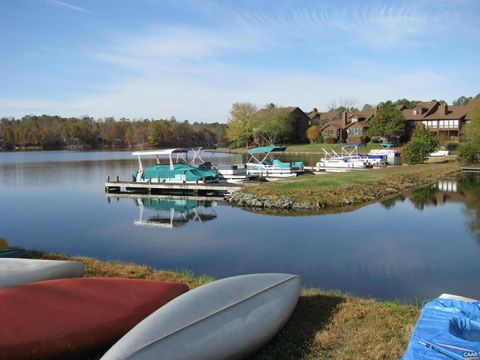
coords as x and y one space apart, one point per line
15 272
226 319
60 317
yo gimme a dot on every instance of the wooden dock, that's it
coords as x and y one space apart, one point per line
118 196
471 169
210 189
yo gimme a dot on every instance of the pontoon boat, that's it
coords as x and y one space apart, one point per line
174 172
392 156
260 163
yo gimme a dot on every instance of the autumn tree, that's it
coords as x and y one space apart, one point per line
313 133
239 125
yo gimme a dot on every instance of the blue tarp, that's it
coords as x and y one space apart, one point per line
266 149
446 329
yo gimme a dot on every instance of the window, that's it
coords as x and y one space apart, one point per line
442 123
455 123
415 112
355 131
354 120
425 123
435 123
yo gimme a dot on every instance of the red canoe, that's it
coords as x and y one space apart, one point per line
54 318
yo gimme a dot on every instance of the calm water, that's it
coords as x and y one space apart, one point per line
416 246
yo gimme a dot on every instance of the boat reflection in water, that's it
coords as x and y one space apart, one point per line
173 212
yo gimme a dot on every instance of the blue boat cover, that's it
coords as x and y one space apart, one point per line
446 329
266 149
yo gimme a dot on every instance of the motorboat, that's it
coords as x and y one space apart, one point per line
177 171
332 161
232 173
260 163
440 153
392 155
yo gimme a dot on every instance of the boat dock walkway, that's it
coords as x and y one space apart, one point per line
472 169
210 189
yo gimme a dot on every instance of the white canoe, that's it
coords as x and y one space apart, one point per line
15 272
456 297
226 319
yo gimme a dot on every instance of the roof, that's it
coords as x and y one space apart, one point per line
160 152
266 149
332 123
435 111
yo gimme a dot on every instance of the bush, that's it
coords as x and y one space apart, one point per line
422 144
451 145
467 153
320 139
329 140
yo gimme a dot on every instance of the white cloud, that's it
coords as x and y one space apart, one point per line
71 7
191 72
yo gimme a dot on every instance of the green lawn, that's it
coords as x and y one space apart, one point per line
356 187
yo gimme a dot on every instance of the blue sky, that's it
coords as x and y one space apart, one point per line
193 58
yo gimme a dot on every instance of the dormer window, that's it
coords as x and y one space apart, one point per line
354 120
416 112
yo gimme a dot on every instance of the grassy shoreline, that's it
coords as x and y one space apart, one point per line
336 192
325 324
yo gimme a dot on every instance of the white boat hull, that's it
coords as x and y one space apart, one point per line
15 272
226 319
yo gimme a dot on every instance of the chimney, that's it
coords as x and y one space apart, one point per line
344 118
442 109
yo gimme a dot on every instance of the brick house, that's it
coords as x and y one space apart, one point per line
446 121
350 127
358 124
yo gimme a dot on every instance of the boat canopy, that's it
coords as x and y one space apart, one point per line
266 149
159 152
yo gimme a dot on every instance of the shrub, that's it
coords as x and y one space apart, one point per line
329 140
451 145
422 144
467 153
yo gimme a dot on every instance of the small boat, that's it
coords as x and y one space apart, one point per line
440 153
448 328
58 318
232 173
262 165
392 155
14 272
175 172
333 162
226 319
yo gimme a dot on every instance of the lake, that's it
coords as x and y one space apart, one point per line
416 246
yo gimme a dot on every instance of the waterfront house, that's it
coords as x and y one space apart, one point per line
357 124
350 127
445 121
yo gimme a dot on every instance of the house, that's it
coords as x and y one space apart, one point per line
321 118
446 121
350 127
358 124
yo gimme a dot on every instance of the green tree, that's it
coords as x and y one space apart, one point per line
469 151
388 122
240 124
416 151
312 133
272 125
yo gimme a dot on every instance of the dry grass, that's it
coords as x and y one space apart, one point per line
325 325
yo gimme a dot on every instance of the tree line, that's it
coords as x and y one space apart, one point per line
48 131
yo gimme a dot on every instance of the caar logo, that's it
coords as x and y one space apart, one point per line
470 355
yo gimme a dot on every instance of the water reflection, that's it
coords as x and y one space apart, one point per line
172 212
